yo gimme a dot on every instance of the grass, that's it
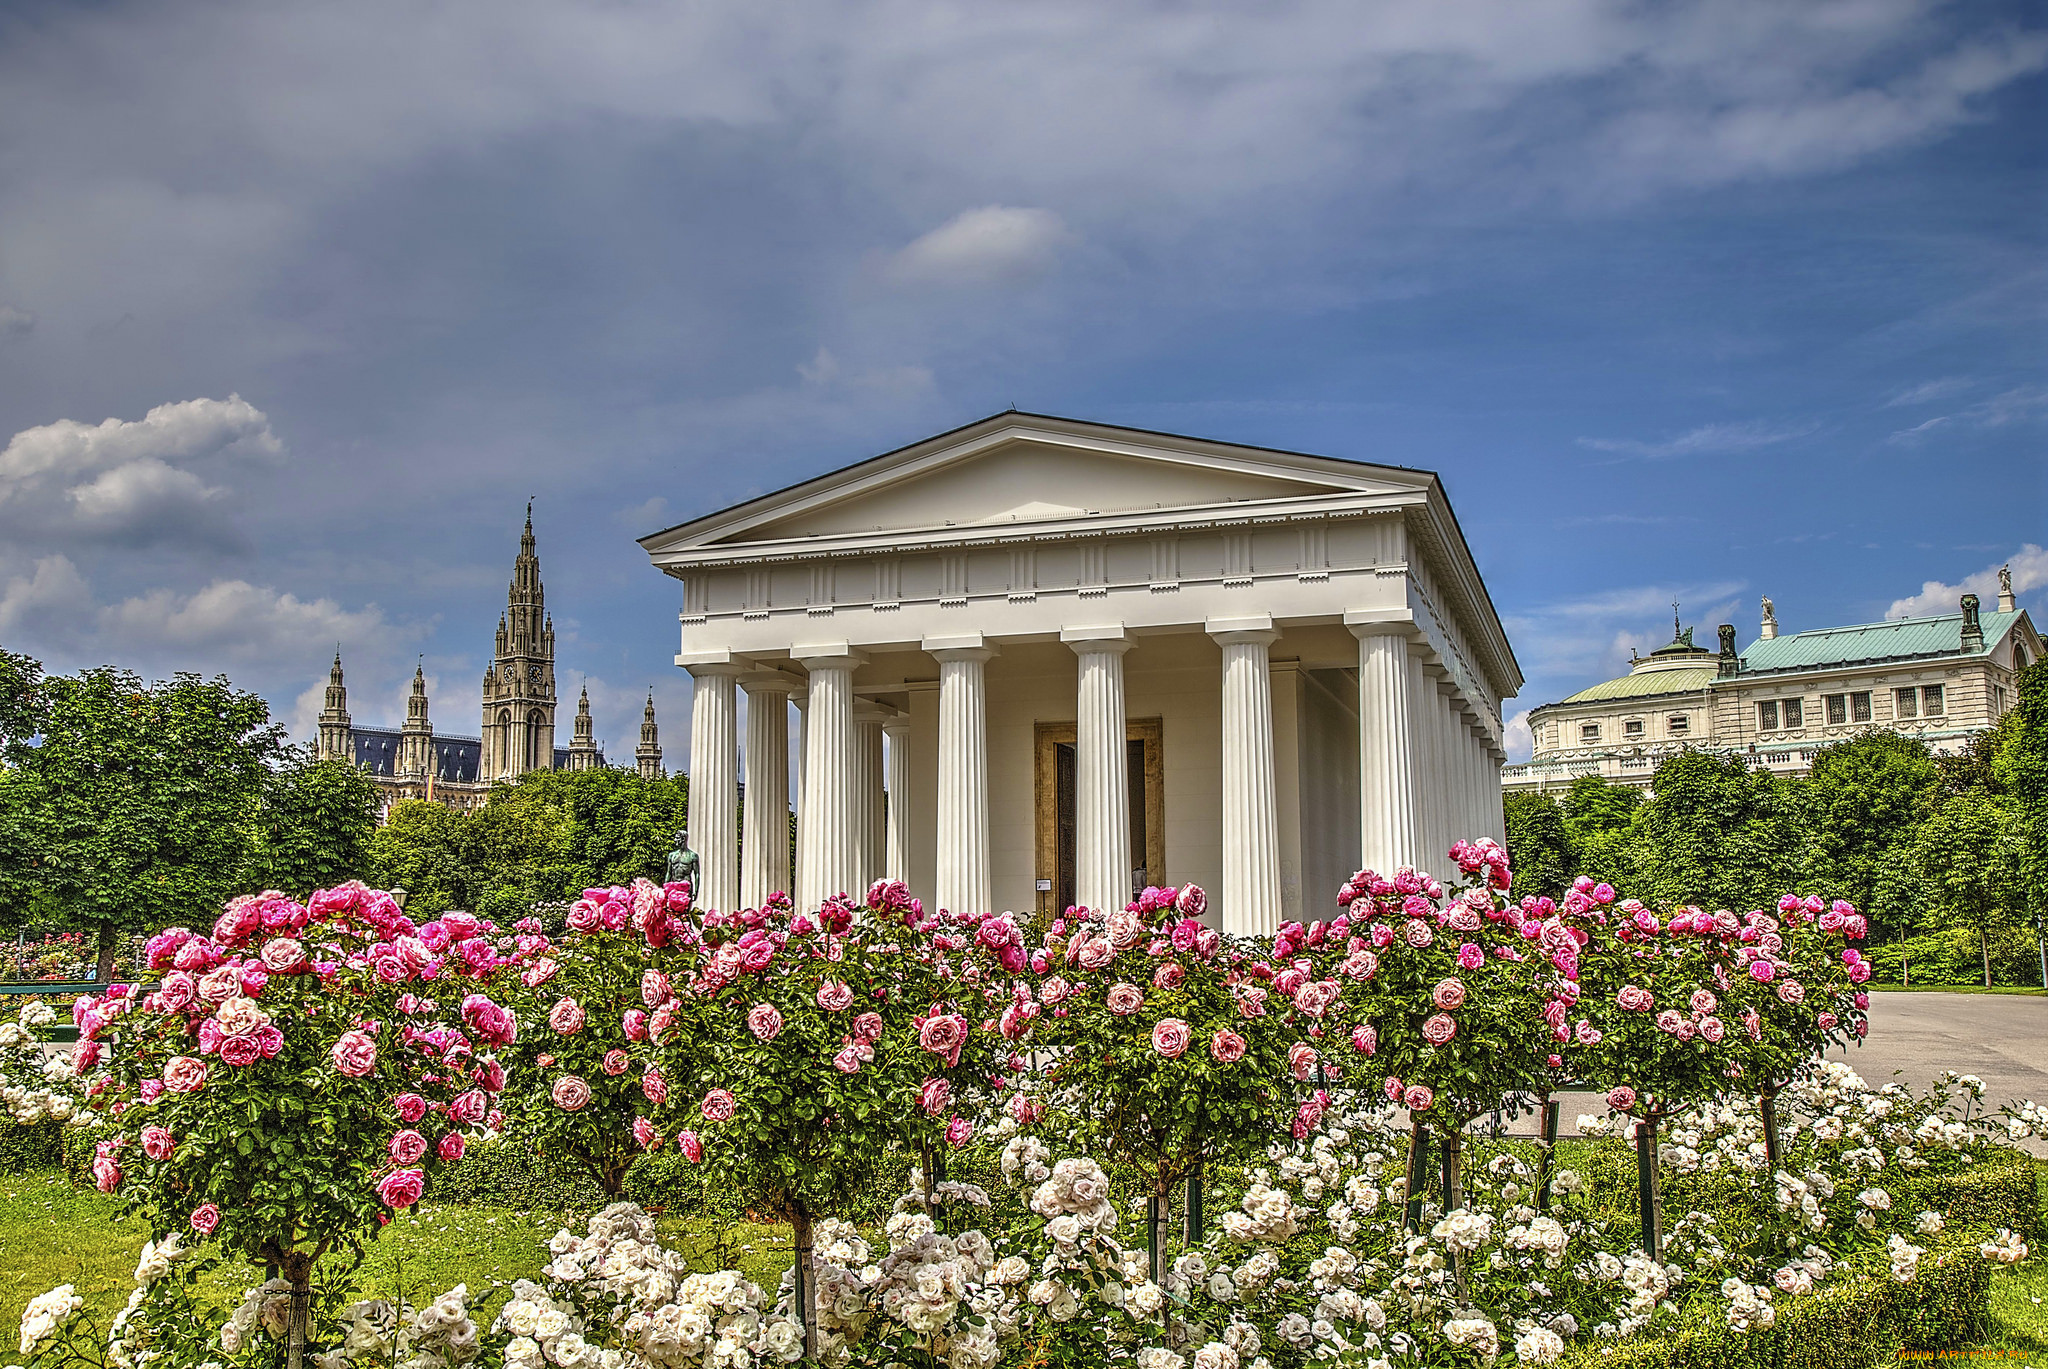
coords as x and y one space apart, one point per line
52 1232
2021 990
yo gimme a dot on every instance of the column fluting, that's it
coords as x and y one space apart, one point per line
964 878
1251 814
764 818
715 784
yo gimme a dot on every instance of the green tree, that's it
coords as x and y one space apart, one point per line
1863 802
1597 819
419 849
137 804
2020 766
1539 849
1966 866
316 822
1716 834
21 700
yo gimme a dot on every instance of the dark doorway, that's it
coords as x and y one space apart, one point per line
1064 787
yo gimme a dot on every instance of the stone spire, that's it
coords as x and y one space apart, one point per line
519 691
647 755
337 737
416 740
583 750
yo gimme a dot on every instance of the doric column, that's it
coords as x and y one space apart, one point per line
1102 786
1251 813
867 793
764 851
896 773
825 835
715 783
1386 751
964 880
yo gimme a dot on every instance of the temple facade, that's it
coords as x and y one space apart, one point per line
1036 662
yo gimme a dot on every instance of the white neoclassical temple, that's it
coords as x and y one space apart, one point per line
1037 662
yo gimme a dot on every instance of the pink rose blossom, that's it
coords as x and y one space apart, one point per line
1416 933
959 1132
106 1173
205 1218
1168 976
1621 1098
634 1024
615 1062
1417 1098
1791 991
410 1107
690 1146
184 1073
1703 1002
654 1087
1301 1060
1124 999
868 1026
1470 957
407 1147
943 1035
764 1020
1762 971
1365 1039
240 1051
157 1143
355 1054
848 1060
283 955
645 1135
470 1108
1631 998
570 1093
1227 1047
1170 1037
719 1105
1251 1001
1439 1028
935 1097
1449 994
451 1147
654 988
835 996
401 1188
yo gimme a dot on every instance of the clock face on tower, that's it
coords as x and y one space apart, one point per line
533 673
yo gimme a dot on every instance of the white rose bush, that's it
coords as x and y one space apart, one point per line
1059 1092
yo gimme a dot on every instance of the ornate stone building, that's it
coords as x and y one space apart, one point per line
412 762
1079 658
1943 679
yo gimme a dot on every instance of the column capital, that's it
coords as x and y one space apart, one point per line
827 656
946 655
1101 638
957 641
896 725
1254 629
767 680
868 711
703 663
1380 622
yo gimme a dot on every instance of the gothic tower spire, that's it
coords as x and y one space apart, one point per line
647 755
416 740
583 750
337 737
519 693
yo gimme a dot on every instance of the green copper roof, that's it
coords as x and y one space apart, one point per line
1902 639
1644 684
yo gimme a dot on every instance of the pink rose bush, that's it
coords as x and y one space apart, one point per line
594 1006
296 1072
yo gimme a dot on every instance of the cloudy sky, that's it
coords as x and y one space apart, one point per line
299 304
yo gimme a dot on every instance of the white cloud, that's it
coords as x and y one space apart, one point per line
1930 390
1516 739
824 372
49 600
980 246
16 322
1707 439
2029 572
234 620
2018 405
132 481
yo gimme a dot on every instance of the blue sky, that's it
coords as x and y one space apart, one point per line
297 307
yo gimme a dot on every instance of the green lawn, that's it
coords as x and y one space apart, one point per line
2021 990
52 1233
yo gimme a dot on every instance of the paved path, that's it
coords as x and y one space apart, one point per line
2000 1038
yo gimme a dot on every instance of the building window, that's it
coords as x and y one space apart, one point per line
1632 728
1997 700
1930 702
1859 707
1678 724
1795 712
1838 708
1589 732
1906 702
1767 715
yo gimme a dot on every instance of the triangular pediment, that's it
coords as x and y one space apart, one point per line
1018 469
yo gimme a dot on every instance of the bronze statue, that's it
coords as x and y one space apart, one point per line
683 864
